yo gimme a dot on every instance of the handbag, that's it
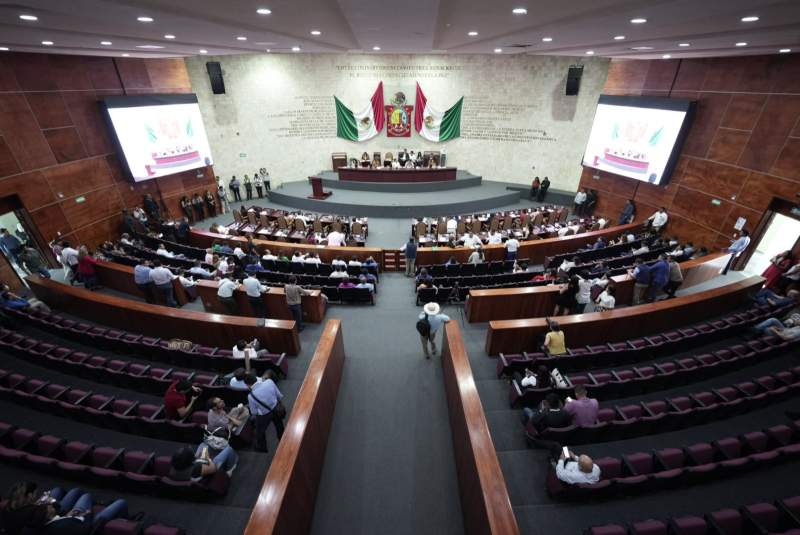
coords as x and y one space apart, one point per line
278 410
216 439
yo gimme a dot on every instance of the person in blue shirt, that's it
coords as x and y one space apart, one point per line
659 276
436 319
410 250
225 249
736 249
264 402
141 277
10 245
641 276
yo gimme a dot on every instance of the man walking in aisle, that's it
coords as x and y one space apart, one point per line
410 250
736 249
429 322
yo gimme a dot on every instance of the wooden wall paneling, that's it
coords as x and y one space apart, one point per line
8 164
743 111
724 181
787 79
8 81
691 75
788 162
28 69
84 108
95 206
33 189
652 195
728 145
75 178
21 132
167 74
777 120
99 231
627 76
133 73
705 209
102 73
66 144
687 230
710 109
752 217
757 74
760 189
660 75
51 221
49 109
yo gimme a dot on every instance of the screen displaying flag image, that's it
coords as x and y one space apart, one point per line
637 137
159 135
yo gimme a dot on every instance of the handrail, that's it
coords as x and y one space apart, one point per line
485 505
285 504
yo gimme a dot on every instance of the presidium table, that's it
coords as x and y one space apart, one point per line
363 174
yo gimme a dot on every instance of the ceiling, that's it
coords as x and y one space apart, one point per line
710 27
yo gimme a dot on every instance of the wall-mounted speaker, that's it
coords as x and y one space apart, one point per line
215 77
574 79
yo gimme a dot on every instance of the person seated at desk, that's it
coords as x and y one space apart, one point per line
419 160
365 160
225 248
269 256
199 271
162 251
409 164
644 248
551 414
376 163
432 163
495 238
402 157
599 244
354 262
395 164
554 343
574 227
424 276
370 262
338 262
363 283
368 276
545 276
253 265
336 239
477 256
338 273
539 379
451 261
298 258
472 241
346 283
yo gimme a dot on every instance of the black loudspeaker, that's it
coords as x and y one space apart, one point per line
574 79
215 77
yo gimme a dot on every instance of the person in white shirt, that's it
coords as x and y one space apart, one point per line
659 219
339 273
162 251
630 238
222 267
568 264
125 240
239 253
641 250
209 258
736 248
395 164
225 294
162 278
313 258
297 257
472 241
606 300
495 238
338 262
580 198
601 223
199 271
253 288
452 225
354 262
476 257
237 380
245 351
269 256
512 245
574 470
69 256
186 283
362 283
336 239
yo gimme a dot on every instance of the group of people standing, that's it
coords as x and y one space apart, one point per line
198 208
260 182
539 189
585 201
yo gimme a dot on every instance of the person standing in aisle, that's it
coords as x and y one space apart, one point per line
258 182
265 178
736 249
186 206
429 322
248 187
294 298
410 250
234 185
211 203
222 193
197 202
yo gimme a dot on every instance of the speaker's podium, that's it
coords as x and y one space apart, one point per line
316 189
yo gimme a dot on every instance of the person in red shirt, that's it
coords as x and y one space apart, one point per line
86 270
179 399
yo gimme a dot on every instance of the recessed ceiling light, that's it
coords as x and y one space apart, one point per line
241 38
169 36
638 20
472 33
666 56
619 37
47 43
125 55
684 45
742 43
203 51
751 18
28 17
106 43
149 46
376 48
263 11
547 39
269 50
3 49
642 48
782 50
498 50
590 52
295 49
316 32
519 11
144 19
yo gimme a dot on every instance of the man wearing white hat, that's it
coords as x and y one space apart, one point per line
430 321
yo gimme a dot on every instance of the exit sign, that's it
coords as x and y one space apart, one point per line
80 199
716 202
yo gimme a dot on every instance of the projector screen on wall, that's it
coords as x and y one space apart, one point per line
638 137
158 135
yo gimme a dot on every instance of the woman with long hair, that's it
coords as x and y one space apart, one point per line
778 264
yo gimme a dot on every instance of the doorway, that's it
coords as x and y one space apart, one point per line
781 235
23 262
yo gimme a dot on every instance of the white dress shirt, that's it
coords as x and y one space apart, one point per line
571 473
253 287
452 224
161 275
659 219
495 238
336 239
269 257
226 288
238 252
512 244
472 241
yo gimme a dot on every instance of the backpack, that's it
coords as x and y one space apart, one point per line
424 326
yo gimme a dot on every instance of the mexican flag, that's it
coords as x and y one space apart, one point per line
364 125
434 125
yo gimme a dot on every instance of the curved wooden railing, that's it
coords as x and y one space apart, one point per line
285 504
514 336
539 301
485 505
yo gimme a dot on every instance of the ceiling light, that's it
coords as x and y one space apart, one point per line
241 38
316 32
3 49
269 50
638 20
263 11
203 51
149 46
169 36
642 48
547 39
590 52
472 33
782 50
498 50
144 19
666 56
297 49
47 43
619 37
125 55
28 17
376 48
742 43
519 11
751 18
684 45
106 43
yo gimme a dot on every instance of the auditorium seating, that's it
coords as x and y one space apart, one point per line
135 471
588 255
659 416
270 223
780 516
698 463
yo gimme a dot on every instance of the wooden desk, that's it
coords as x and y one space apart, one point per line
119 277
165 322
202 238
539 301
485 505
514 336
285 504
363 174
274 300
535 250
